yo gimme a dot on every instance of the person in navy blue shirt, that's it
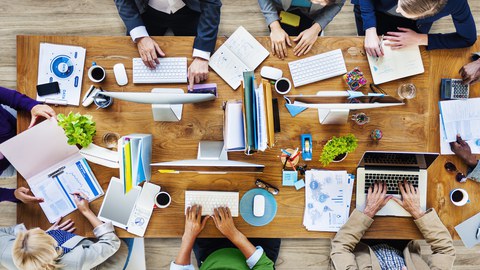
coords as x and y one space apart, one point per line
407 22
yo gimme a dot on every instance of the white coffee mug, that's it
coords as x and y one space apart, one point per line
459 197
96 73
162 199
283 86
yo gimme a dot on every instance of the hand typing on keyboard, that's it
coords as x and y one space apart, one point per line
193 222
376 198
149 51
410 199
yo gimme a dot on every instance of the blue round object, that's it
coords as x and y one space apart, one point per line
246 207
314 185
62 66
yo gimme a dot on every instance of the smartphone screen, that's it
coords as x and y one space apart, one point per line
48 88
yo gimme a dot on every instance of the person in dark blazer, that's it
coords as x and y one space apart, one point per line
199 18
315 15
407 22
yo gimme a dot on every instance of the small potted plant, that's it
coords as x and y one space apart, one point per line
336 149
79 129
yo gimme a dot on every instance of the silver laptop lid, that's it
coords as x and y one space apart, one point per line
392 160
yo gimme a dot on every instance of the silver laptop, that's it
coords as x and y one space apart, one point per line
393 167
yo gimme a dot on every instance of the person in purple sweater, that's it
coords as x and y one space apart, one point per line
8 129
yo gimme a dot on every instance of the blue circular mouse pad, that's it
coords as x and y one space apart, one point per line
246 207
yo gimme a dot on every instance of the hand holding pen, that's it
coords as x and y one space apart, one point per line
81 200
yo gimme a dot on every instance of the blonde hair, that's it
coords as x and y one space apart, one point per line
422 8
35 250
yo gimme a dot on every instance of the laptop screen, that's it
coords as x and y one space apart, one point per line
404 160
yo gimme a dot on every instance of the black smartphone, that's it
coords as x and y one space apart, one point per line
48 88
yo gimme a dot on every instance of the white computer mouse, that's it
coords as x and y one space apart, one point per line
258 205
271 73
120 74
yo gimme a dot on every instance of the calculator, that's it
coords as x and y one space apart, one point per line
454 89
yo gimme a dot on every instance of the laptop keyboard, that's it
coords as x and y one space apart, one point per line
391 180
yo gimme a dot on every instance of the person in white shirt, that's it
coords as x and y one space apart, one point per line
199 18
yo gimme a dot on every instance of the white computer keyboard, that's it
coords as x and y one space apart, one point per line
210 200
318 67
170 70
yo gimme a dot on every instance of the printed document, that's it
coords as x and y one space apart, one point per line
241 52
328 196
396 64
460 117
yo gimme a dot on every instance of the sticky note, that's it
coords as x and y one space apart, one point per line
289 178
299 184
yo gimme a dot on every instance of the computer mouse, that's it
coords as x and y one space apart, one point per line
258 205
120 74
271 73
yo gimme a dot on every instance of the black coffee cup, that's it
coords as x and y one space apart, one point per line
96 73
162 199
283 86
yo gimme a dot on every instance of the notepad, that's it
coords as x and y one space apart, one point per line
468 230
241 52
396 64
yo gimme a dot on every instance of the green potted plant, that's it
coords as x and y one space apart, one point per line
336 149
79 129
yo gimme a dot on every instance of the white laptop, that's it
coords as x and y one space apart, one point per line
392 167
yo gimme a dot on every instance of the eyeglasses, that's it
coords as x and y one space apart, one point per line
450 167
259 183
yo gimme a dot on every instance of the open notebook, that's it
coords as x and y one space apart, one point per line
396 64
241 52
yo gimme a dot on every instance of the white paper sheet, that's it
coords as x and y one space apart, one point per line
63 64
460 117
395 64
328 197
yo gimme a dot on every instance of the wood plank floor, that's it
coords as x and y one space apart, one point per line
100 17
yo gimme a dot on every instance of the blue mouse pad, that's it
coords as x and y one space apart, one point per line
246 207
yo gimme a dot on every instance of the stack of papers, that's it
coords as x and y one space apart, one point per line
258 114
459 117
328 196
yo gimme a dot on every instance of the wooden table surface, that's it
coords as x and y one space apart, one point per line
412 127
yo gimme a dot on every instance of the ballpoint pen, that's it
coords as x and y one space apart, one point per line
78 196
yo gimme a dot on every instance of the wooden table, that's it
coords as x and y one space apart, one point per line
413 127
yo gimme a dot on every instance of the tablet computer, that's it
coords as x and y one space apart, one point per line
117 206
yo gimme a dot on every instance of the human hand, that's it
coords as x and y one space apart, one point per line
470 72
405 37
372 43
197 71
81 200
463 151
224 223
194 223
279 39
306 39
65 226
376 199
410 199
22 195
149 51
41 110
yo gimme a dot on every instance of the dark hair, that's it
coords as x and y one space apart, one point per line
422 8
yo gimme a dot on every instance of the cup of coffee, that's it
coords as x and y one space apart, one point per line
96 73
162 199
459 197
283 86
